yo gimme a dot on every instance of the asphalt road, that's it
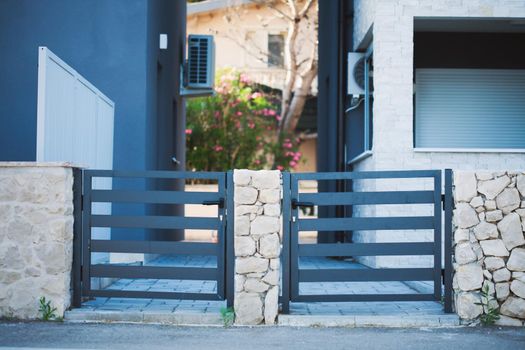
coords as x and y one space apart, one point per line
39 335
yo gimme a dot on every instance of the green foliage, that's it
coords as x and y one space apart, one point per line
228 316
491 314
47 312
236 129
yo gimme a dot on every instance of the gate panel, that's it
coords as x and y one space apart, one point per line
126 271
297 250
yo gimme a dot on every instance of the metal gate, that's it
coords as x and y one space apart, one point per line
86 246
293 250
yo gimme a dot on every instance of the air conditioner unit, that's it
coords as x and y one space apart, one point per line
199 70
356 74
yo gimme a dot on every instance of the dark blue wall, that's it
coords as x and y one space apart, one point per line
113 44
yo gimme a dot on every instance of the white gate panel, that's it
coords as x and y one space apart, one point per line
74 124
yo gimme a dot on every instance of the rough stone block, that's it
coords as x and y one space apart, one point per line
248 309
242 177
244 246
464 254
485 230
272 209
508 200
250 264
265 179
467 305
254 285
264 225
245 195
494 187
469 277
511 231
242 226
493 216
513 307
270 196
501 275
465 186
518 288
516 261
494 247
270 245
271 305
502 290
493 263
465 216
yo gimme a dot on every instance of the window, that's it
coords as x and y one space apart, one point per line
470 108
469 87
276 50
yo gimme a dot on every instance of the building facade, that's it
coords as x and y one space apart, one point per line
115 45
446 89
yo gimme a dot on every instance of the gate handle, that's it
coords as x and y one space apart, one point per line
219 202
296 203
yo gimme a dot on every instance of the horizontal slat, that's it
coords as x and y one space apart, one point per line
151 295
364 275
366 249
356 198
156 174
154 247
396 174
362 297
164 197
158 222
180 273
369 223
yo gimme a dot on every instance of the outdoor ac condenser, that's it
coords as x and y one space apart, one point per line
356 74
200 68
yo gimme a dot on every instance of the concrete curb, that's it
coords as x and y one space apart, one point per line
147 317
394 321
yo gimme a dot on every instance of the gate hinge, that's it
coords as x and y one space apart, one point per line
443 201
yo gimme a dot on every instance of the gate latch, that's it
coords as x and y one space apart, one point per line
296 204
219 202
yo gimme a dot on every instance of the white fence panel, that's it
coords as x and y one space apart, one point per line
74 124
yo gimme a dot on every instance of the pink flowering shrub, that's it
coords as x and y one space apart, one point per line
237 128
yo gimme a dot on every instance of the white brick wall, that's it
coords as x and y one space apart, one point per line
392 23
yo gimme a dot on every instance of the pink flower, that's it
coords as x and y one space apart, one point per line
243 78
271 112
278 117
251 125
280 167
188 131
257 162
256 95
238 114
287 145
293 164
217 114
218 148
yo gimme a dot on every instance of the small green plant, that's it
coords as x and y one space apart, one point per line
490 313
46 310
228 316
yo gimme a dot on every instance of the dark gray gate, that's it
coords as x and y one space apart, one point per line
222 250
293 250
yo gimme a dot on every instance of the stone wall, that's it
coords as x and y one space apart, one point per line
257 245
489 220
36 237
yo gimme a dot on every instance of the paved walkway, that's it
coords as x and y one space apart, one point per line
213 307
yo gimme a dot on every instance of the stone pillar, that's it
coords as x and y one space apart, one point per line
257 229
36 237
489 252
